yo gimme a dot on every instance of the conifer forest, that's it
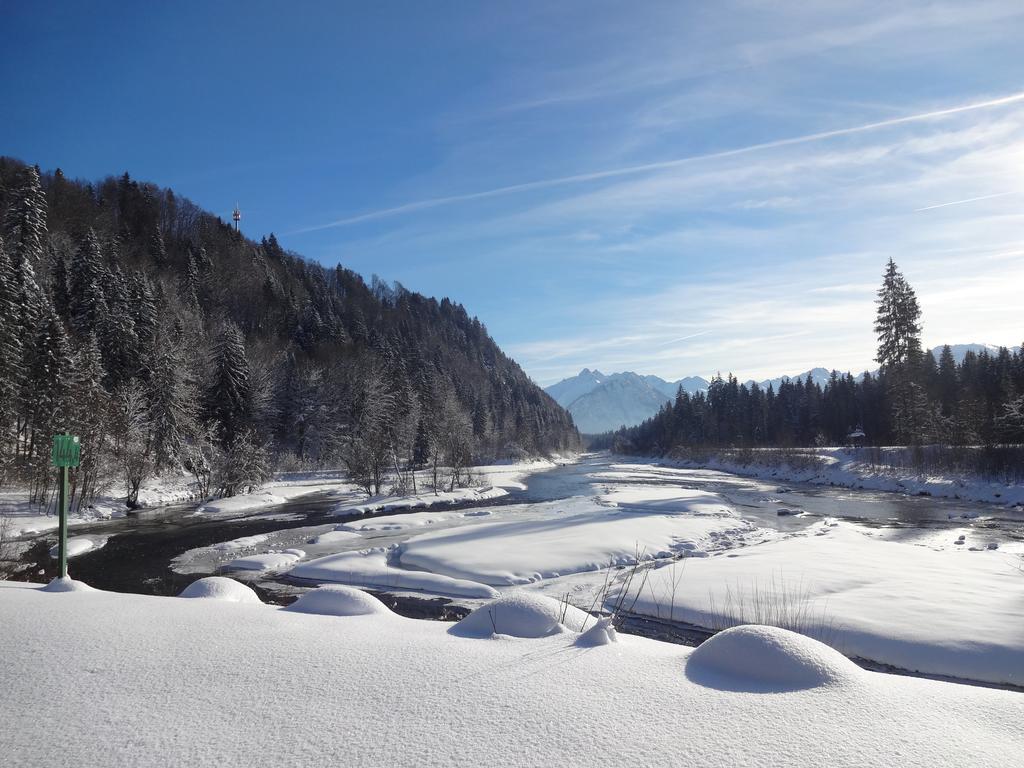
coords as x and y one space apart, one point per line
169 342
916 397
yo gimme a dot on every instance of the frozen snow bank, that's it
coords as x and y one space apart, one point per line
152 681
335 536
66 584
244 542
79 545
220 588
369 568
236 505
668 500
513 474
288 487
757 658
522 552
396 522
842 467
391 503
948 612
521 614
338 600
271 561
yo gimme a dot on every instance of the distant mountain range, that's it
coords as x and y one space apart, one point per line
599 403
602 402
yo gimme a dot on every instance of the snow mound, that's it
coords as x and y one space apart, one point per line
521 614
67 584
602 633
220 588
338 600
767 659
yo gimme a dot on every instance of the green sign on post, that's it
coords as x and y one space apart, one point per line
66 453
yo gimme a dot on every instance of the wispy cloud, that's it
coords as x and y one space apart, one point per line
661 165
967 200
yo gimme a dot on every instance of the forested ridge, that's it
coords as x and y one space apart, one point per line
167 340
913 399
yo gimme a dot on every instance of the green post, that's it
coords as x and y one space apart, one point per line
67 452
63 555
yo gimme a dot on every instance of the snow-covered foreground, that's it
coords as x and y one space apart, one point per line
211 682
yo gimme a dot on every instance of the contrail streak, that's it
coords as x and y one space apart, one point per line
683 338
434 202
961 202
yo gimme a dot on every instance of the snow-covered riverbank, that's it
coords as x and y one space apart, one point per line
936 599
493 481
847 469
209 682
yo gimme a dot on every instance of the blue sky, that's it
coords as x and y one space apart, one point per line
672 188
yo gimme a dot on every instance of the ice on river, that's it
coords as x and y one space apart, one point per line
575 535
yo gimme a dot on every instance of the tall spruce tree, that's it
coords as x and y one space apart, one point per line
171 406
118 341
157 249
50 363
229 398
87 304
12 368
899 353
898 320
25 222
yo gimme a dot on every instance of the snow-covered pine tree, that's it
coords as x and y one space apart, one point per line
59 285
25 221
157 249
229 398
171 407
898 320
87 304
947 381
118 341
12 368
144 314
190 285
32 307
49 412
897 325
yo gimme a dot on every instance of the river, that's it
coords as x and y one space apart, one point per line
137 556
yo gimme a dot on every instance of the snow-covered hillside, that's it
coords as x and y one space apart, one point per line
339 680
